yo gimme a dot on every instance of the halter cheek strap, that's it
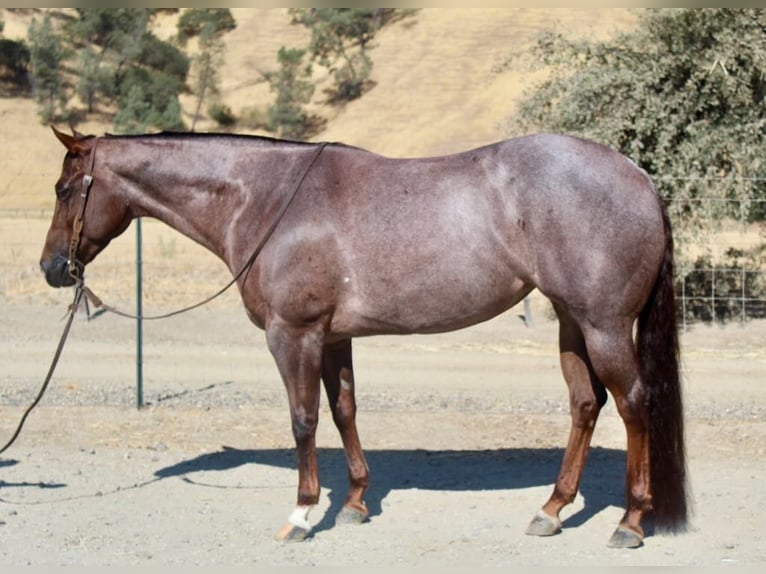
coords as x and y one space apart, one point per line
87 182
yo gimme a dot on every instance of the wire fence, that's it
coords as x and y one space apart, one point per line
721 295
722 273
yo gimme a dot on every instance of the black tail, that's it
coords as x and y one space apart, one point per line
659 357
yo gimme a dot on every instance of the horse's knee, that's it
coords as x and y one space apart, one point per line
304 426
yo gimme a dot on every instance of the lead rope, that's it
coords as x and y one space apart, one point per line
87 181
81 289
72 309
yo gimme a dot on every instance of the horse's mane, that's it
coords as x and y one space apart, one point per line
175 135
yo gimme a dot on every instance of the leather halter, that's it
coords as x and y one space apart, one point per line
87 182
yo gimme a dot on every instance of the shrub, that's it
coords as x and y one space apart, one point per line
222 114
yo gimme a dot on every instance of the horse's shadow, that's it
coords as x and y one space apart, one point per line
443 470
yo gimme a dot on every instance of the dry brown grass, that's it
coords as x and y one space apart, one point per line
435 91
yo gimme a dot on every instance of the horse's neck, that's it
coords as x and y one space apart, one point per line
192 188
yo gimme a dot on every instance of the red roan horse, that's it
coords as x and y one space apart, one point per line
372 245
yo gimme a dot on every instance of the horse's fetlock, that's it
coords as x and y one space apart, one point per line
640 500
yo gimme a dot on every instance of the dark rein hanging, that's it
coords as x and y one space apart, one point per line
82 289
98 303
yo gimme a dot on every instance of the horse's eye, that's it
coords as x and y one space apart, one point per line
62 190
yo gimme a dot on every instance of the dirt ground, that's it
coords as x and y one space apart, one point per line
464 433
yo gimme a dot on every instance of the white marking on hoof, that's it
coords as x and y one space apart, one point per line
300 517
297 527
291 533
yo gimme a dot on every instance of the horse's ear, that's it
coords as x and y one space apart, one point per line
77 134
68 141
74 144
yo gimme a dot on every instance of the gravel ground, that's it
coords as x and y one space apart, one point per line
464 435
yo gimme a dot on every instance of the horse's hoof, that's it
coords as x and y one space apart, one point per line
351 515
292 533
544 525
625 538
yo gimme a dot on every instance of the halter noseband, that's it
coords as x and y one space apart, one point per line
87 182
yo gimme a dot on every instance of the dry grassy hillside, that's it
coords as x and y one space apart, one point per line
435 91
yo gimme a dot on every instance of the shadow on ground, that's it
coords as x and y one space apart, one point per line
444 470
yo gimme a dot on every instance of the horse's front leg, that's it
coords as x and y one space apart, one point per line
298 354
338 377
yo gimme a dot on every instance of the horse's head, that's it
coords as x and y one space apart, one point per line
88 215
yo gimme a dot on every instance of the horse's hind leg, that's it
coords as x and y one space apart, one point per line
586 397
338 377
614 359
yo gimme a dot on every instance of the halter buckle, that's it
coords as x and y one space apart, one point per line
87 180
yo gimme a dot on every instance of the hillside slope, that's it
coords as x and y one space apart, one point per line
436 89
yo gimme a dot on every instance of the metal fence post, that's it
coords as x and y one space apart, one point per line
712 293
527 312
683 300
744 291
139 320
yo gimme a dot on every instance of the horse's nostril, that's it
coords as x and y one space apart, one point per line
56 270
45 266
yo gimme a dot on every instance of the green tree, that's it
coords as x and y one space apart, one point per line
339 39
293 87
205 66
14 62
92 77
194 21
682 95
47 55
117 54
208 25
139 113
133 117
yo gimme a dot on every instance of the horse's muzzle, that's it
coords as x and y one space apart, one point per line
57 273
